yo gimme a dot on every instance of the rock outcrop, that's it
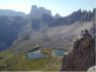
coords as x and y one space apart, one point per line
82 56
38 12
92 69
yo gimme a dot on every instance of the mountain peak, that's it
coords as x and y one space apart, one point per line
38 12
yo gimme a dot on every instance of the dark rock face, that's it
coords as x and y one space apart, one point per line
10 27
82 56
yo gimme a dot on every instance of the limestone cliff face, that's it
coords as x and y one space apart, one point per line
82 56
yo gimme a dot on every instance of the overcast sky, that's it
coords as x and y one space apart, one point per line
63 7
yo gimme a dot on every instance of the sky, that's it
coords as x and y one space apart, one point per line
63 7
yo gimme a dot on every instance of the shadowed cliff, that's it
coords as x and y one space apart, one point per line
82 56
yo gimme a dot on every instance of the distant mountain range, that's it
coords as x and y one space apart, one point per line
18 29
11 13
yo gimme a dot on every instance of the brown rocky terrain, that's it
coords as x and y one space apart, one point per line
82 56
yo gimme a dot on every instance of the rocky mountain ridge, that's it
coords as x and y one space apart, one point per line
43 26
11 13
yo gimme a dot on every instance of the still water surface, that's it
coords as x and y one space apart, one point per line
37 54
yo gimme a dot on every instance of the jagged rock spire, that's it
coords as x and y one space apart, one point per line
82 56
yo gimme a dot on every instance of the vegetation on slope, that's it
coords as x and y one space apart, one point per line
20 62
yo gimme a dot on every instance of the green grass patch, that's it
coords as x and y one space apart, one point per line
20 62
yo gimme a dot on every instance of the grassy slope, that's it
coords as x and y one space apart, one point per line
17 62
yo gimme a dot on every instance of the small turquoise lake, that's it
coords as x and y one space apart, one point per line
58 53
37 54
